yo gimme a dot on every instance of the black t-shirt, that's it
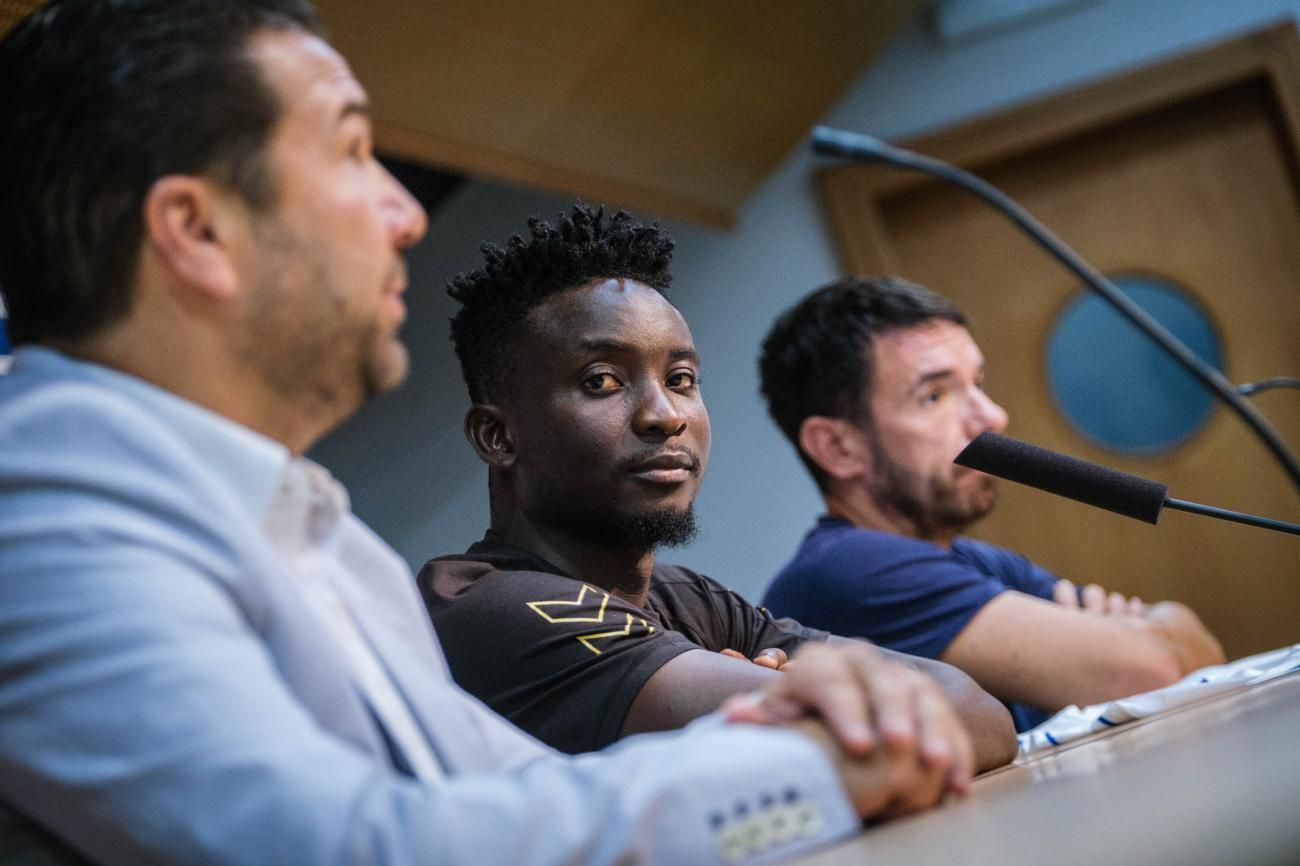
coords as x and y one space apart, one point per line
564 660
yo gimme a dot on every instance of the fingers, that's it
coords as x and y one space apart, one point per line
916 787
870 705
773 658
883 783
748 708
838 685
896 740
891 696
945 745
1094 598
1064 592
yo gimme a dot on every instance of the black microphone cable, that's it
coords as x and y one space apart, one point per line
865 148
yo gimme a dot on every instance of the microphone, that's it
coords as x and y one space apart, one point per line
1089 483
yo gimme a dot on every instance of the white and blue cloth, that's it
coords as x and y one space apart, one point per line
1074 722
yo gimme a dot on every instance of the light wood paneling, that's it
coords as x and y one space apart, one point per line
674 108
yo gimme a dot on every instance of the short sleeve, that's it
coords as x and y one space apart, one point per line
900 593
561 659
718 618
1012 569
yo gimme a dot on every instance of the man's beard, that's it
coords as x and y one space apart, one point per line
933 505
647 530
299 339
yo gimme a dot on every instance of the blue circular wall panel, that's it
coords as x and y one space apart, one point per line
1114 385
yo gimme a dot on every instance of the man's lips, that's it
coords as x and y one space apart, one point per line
394 290
672 467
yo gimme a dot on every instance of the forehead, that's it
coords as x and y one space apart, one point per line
626 312
905 355
308 76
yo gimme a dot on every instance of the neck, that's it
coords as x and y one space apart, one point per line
622 571
865 512
197 366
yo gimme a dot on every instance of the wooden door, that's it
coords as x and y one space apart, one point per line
1187 170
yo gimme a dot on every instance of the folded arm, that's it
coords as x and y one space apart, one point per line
1049 655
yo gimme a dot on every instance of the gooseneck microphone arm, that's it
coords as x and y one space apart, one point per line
1268 385
864 148
1234 516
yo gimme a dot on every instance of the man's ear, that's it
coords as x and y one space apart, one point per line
486 430
190 223
836 445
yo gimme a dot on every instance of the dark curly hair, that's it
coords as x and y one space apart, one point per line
816 360
497 298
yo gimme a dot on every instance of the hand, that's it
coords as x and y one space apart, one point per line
870 704
883 784
1186 635
1097 600
771 658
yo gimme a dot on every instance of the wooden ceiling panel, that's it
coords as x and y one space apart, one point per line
675 108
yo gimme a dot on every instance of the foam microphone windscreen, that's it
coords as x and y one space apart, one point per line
1065 476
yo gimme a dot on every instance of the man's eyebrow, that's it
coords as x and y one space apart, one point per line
586 347
598 345
936 375
933 376
354 107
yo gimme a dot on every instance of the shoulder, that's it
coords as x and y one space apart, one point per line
1012 569
79 460
676 580
48 417
468 585
840 552
470 600
690 601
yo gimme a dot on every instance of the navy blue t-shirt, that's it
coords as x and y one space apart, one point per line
901 593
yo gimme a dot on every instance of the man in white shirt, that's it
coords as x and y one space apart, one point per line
204 657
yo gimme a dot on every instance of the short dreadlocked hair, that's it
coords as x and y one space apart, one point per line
497 298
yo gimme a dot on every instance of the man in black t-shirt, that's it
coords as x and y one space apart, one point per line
575 656
586 408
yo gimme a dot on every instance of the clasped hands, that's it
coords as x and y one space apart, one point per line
894 739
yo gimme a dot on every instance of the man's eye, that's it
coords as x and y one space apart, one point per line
682 379
933 396
600 382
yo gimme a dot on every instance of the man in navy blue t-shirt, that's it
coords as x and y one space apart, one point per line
878 384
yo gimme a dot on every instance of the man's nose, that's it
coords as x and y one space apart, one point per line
987 414
657 412
406 218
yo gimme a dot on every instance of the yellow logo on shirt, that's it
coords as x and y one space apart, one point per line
599 616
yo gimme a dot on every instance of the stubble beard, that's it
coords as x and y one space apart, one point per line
932 505
301 343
